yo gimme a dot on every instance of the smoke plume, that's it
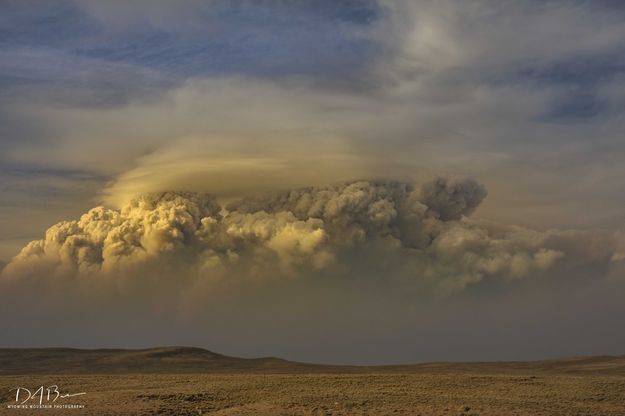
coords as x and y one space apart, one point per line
420 234
307 273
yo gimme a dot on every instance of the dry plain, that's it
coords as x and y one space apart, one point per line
190 381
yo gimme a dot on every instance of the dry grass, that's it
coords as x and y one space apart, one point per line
336 394
158 381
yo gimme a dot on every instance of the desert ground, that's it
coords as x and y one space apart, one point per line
210 384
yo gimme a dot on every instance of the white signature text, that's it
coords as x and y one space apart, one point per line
48 394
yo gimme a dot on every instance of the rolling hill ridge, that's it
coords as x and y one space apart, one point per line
18 361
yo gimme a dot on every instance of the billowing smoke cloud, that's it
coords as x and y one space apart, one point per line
419 236
378 268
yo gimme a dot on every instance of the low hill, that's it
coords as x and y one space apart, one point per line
174 360
151 360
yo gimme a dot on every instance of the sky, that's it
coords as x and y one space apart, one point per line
390 180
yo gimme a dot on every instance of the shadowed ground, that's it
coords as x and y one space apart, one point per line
192 381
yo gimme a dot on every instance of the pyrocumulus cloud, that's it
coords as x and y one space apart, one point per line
413 234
